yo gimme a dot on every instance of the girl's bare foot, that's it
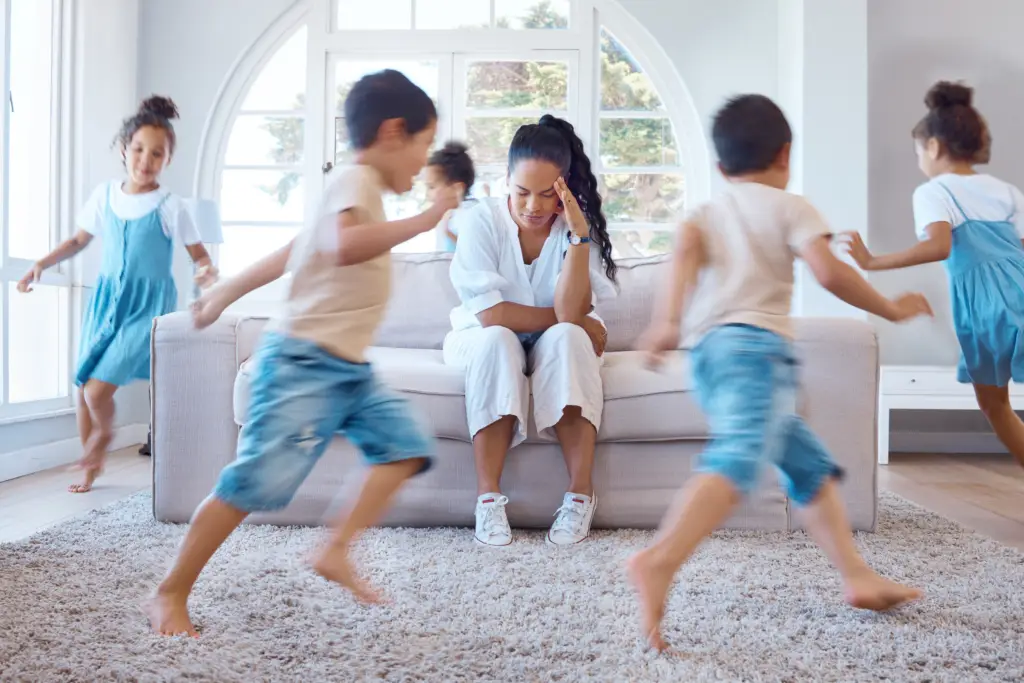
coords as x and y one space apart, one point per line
651 583
868 590
168 615
333 564
89 476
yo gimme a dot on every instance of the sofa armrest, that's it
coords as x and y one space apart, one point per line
194 435
839 381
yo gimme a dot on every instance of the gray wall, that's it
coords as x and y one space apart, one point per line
911 44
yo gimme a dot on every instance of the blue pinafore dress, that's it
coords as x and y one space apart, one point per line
135 286
986 287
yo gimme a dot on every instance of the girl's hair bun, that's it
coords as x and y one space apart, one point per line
159 105
945 94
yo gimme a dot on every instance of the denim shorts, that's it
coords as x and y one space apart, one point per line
301 396
746 381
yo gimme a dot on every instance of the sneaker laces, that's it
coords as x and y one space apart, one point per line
569 517
494 516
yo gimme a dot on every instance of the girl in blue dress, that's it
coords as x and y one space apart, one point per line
974 223
138 222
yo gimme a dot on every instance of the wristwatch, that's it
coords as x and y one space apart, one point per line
575 239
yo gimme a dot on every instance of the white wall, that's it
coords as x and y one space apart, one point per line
721 48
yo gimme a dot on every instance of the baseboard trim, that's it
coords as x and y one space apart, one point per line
945 442
47 456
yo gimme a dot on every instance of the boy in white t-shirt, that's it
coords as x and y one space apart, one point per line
733 274
312 379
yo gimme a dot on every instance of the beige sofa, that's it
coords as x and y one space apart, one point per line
651 432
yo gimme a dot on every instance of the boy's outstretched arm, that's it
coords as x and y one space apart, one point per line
209 307
689 257
845 282
360 241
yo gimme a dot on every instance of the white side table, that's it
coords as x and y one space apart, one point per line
925 387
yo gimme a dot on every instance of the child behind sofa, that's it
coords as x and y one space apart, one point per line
733 273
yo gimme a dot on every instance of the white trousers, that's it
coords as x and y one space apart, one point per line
561 370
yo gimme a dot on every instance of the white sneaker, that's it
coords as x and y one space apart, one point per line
573 519
491 523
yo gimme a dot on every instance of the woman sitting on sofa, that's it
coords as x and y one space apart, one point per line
528 268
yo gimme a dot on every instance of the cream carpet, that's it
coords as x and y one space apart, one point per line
751 606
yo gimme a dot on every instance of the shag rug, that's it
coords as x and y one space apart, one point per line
749 607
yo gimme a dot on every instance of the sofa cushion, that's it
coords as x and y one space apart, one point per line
640 405
629 314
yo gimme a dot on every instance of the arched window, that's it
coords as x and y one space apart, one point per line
491 65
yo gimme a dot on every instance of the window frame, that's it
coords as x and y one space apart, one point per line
61 186
583 34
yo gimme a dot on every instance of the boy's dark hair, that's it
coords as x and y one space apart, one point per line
455 163
749 131
955 123
554 140
381 96
156 111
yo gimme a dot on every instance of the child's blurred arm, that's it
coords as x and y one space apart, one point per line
689 257
359 241
445 227
935 248
66 250
206 272
847 284
209 307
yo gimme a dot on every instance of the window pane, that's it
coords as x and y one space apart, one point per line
281 85
624 86
642 197
637 243
489 138
517 85
424 73
453 14
638 142
31 64
262 196
38 343
377 15
246 244
531 14
490 182
261 140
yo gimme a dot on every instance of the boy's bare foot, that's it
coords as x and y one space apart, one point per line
868 590
333 564
89 476
651 583
168 615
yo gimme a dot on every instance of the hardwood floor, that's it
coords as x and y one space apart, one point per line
33 503
984 493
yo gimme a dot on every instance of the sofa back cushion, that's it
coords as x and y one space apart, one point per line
422 298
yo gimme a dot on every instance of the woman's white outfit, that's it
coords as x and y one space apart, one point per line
559 364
